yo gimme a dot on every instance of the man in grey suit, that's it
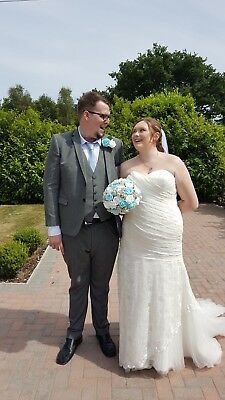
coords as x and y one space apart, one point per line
79 166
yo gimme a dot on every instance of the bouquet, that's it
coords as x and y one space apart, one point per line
121 196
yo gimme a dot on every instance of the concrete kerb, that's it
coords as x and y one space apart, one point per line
39 276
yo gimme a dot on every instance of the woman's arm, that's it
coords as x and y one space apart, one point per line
185 188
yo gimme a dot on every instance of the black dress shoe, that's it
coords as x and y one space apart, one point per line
107 345
68 350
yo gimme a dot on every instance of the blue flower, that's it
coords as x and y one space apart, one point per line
128 190
106 142
114 185
123 203
108 197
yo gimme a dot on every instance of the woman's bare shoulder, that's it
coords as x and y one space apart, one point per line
172 158
127 165
177 161
129 162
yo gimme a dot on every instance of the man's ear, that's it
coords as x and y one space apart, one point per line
86 115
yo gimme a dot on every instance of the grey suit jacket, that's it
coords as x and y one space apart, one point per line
65 180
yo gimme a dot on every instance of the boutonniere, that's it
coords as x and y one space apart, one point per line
106 142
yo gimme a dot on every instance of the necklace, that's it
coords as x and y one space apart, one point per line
149 164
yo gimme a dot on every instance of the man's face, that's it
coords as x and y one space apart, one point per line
98 119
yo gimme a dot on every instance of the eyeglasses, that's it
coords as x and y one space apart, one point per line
102 116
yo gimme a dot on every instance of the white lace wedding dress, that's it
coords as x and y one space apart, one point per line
161 322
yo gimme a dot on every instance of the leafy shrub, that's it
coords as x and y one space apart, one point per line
12 258
31 237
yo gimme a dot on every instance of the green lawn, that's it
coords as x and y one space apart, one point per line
16 217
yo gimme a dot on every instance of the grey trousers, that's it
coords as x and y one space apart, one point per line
90 258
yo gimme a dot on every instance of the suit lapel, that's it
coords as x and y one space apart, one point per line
110 167
79 152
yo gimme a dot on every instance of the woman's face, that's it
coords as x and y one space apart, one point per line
141 135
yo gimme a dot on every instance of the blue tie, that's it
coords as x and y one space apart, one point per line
91 155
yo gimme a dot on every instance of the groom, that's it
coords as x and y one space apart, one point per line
79 166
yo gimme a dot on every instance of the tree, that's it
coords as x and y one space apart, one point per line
65 107
159 70
18 99
46 107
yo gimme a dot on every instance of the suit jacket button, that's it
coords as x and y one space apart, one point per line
84 199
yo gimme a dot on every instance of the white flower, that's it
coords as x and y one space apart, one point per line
112 144
106 142
130 198
116 200
128 183
109 204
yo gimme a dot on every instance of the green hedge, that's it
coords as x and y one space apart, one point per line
24 142
13 255
198 142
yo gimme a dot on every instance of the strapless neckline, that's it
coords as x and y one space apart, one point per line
152 172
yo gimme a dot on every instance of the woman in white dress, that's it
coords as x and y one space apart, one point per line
161 322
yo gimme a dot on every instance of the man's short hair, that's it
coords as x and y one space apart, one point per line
88 101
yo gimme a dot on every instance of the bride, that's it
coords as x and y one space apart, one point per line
161 322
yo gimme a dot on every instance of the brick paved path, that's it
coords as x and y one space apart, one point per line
33 320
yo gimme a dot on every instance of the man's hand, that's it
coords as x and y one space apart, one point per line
55 242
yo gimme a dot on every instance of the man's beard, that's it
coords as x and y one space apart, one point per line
99 135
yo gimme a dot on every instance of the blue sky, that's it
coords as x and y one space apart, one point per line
47 44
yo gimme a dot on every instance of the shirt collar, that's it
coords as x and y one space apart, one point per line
84 141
